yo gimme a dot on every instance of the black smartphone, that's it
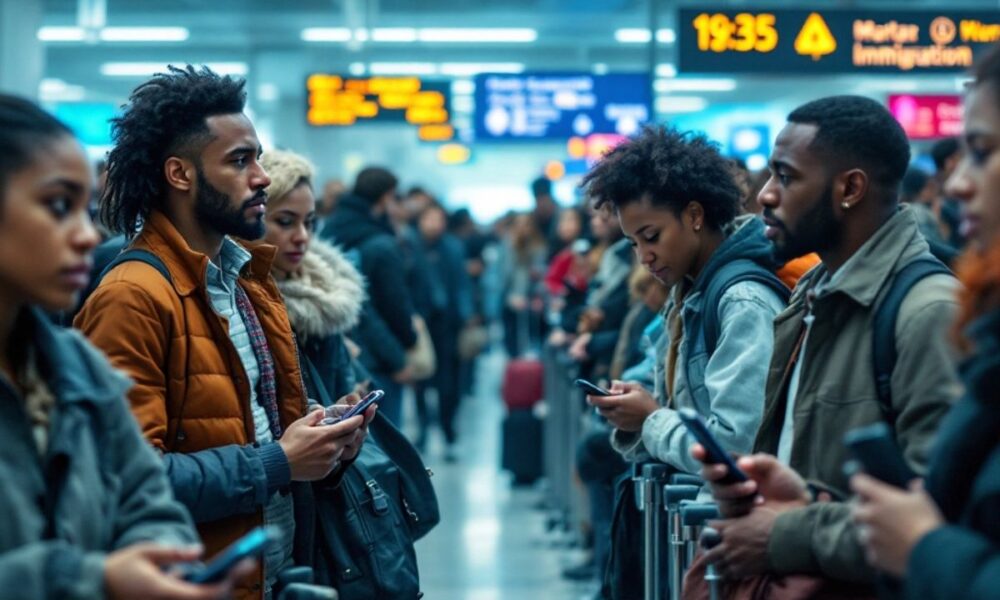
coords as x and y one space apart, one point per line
874 446
252 545
590 388
716 455
371 398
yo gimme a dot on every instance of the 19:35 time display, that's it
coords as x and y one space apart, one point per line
745 32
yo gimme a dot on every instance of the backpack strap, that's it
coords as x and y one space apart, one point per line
884 324
138 255
729 275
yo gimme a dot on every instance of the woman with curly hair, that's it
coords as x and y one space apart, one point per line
677 204
942 536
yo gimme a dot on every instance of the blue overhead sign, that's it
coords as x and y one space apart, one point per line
551 106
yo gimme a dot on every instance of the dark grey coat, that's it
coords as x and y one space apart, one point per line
100 486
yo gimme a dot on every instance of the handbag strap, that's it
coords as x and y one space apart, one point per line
311 373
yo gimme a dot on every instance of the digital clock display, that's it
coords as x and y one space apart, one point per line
745 32
722 40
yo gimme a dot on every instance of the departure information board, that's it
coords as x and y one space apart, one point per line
549 106
336 100
723 40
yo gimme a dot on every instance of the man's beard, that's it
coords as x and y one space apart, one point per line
816 231
213 208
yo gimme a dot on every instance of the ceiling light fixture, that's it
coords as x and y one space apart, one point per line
61 34
634 35
146 69
477 35
402 68
394 34
469 69
326 34
144 34
694 85
680 104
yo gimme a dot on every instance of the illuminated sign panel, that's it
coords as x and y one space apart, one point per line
926 117
832 41
91 122
335 100
547 106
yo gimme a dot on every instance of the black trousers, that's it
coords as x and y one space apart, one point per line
447 380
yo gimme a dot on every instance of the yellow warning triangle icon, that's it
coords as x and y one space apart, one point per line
814 38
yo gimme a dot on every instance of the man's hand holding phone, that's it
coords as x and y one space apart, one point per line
313 450
768 481
353 404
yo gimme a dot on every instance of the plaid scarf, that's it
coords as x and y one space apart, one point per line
267 395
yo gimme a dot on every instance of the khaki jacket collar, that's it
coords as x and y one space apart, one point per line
873 264
188 267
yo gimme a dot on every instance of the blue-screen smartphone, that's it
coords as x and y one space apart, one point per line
252 545
357 409
716 455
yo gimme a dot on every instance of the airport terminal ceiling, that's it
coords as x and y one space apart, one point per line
447 45
579 35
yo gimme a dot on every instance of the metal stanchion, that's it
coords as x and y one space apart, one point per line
686 479
710 538
649 496
693 518
673 495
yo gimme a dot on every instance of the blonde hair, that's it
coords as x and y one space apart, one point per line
287 171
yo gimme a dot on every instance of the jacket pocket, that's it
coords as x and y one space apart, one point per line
690 389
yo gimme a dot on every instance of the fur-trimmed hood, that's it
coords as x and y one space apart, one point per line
326 298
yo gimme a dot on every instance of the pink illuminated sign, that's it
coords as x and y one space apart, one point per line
927 117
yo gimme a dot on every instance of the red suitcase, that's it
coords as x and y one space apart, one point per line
522 383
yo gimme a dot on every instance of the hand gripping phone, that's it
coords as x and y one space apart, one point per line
252 545
590 388
875 448
716 455
359 408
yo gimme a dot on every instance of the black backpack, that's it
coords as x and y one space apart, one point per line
884 325
728 275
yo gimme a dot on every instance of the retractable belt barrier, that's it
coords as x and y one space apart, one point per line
562 434
680 489
710 538
649 501
694 515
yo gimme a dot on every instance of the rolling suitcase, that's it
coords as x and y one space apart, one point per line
523 377
522 446
522 383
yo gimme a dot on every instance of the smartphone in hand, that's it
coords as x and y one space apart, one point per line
252 545
590 388
357 409
874 446
716 454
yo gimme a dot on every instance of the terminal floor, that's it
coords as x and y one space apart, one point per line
492 542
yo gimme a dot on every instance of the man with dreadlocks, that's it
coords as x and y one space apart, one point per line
199 323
